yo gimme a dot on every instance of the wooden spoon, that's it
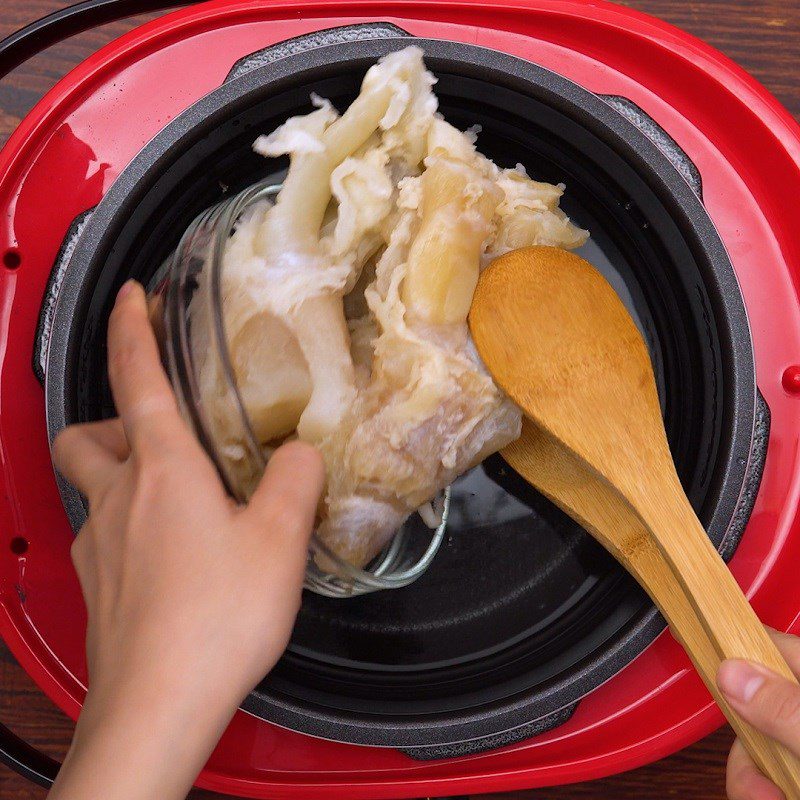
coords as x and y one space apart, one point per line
561 344
581 493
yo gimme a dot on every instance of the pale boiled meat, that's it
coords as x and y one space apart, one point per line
345 303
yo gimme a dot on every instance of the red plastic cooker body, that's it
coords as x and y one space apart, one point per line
70 148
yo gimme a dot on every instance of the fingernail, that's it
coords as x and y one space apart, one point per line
740 680
125 289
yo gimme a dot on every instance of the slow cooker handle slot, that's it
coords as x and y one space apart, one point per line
486 743
762 421
311 41
650 128
44 327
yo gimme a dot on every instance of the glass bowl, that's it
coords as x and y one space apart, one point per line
194 270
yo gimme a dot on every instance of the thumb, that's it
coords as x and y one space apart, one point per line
285 500
766 700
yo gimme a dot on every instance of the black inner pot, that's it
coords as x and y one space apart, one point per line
521 613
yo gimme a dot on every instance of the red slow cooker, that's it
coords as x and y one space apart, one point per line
523 657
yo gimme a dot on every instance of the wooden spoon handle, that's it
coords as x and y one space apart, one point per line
651 569
771 757
728 620
579 492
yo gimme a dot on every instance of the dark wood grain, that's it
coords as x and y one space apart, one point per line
764 37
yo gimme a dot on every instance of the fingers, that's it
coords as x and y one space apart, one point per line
83 559
142 392
789 647
286 498
86 455
764 699
108 434
744 781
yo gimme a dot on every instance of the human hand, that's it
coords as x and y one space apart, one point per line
191 599
770 703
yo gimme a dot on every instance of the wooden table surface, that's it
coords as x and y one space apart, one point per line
764 37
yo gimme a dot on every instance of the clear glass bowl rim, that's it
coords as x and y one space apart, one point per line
389 569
